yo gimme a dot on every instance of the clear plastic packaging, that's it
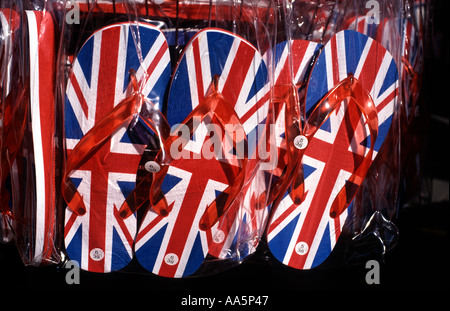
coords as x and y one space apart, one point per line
177 137
37 236
28 133
339 82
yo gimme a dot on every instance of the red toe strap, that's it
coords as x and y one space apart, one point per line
222 113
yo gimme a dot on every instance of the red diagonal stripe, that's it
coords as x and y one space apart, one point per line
238 72
371 65
80 95
198 70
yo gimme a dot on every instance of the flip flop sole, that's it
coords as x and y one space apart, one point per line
100 240
302 236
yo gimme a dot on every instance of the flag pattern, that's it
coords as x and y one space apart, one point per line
302 236
100 240
174 246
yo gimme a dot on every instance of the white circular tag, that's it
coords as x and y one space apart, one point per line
219 237
152 167
171 259
301 248
97 254
300 142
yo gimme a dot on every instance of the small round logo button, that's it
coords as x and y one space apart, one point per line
301 248
152 167
300 142
97 254
171 259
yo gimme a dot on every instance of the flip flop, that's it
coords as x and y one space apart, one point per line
120 70
39 240
220 79
29 142
350 100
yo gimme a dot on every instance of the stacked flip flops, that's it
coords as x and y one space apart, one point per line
175 136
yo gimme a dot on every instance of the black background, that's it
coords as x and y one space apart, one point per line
419 262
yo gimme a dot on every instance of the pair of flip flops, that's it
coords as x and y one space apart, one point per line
334 129
327 143
113 167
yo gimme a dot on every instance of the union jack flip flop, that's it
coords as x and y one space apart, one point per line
114 70
350 100
220 80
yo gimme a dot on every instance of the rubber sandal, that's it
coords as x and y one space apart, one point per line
350 100
117 74
39 240
217 82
